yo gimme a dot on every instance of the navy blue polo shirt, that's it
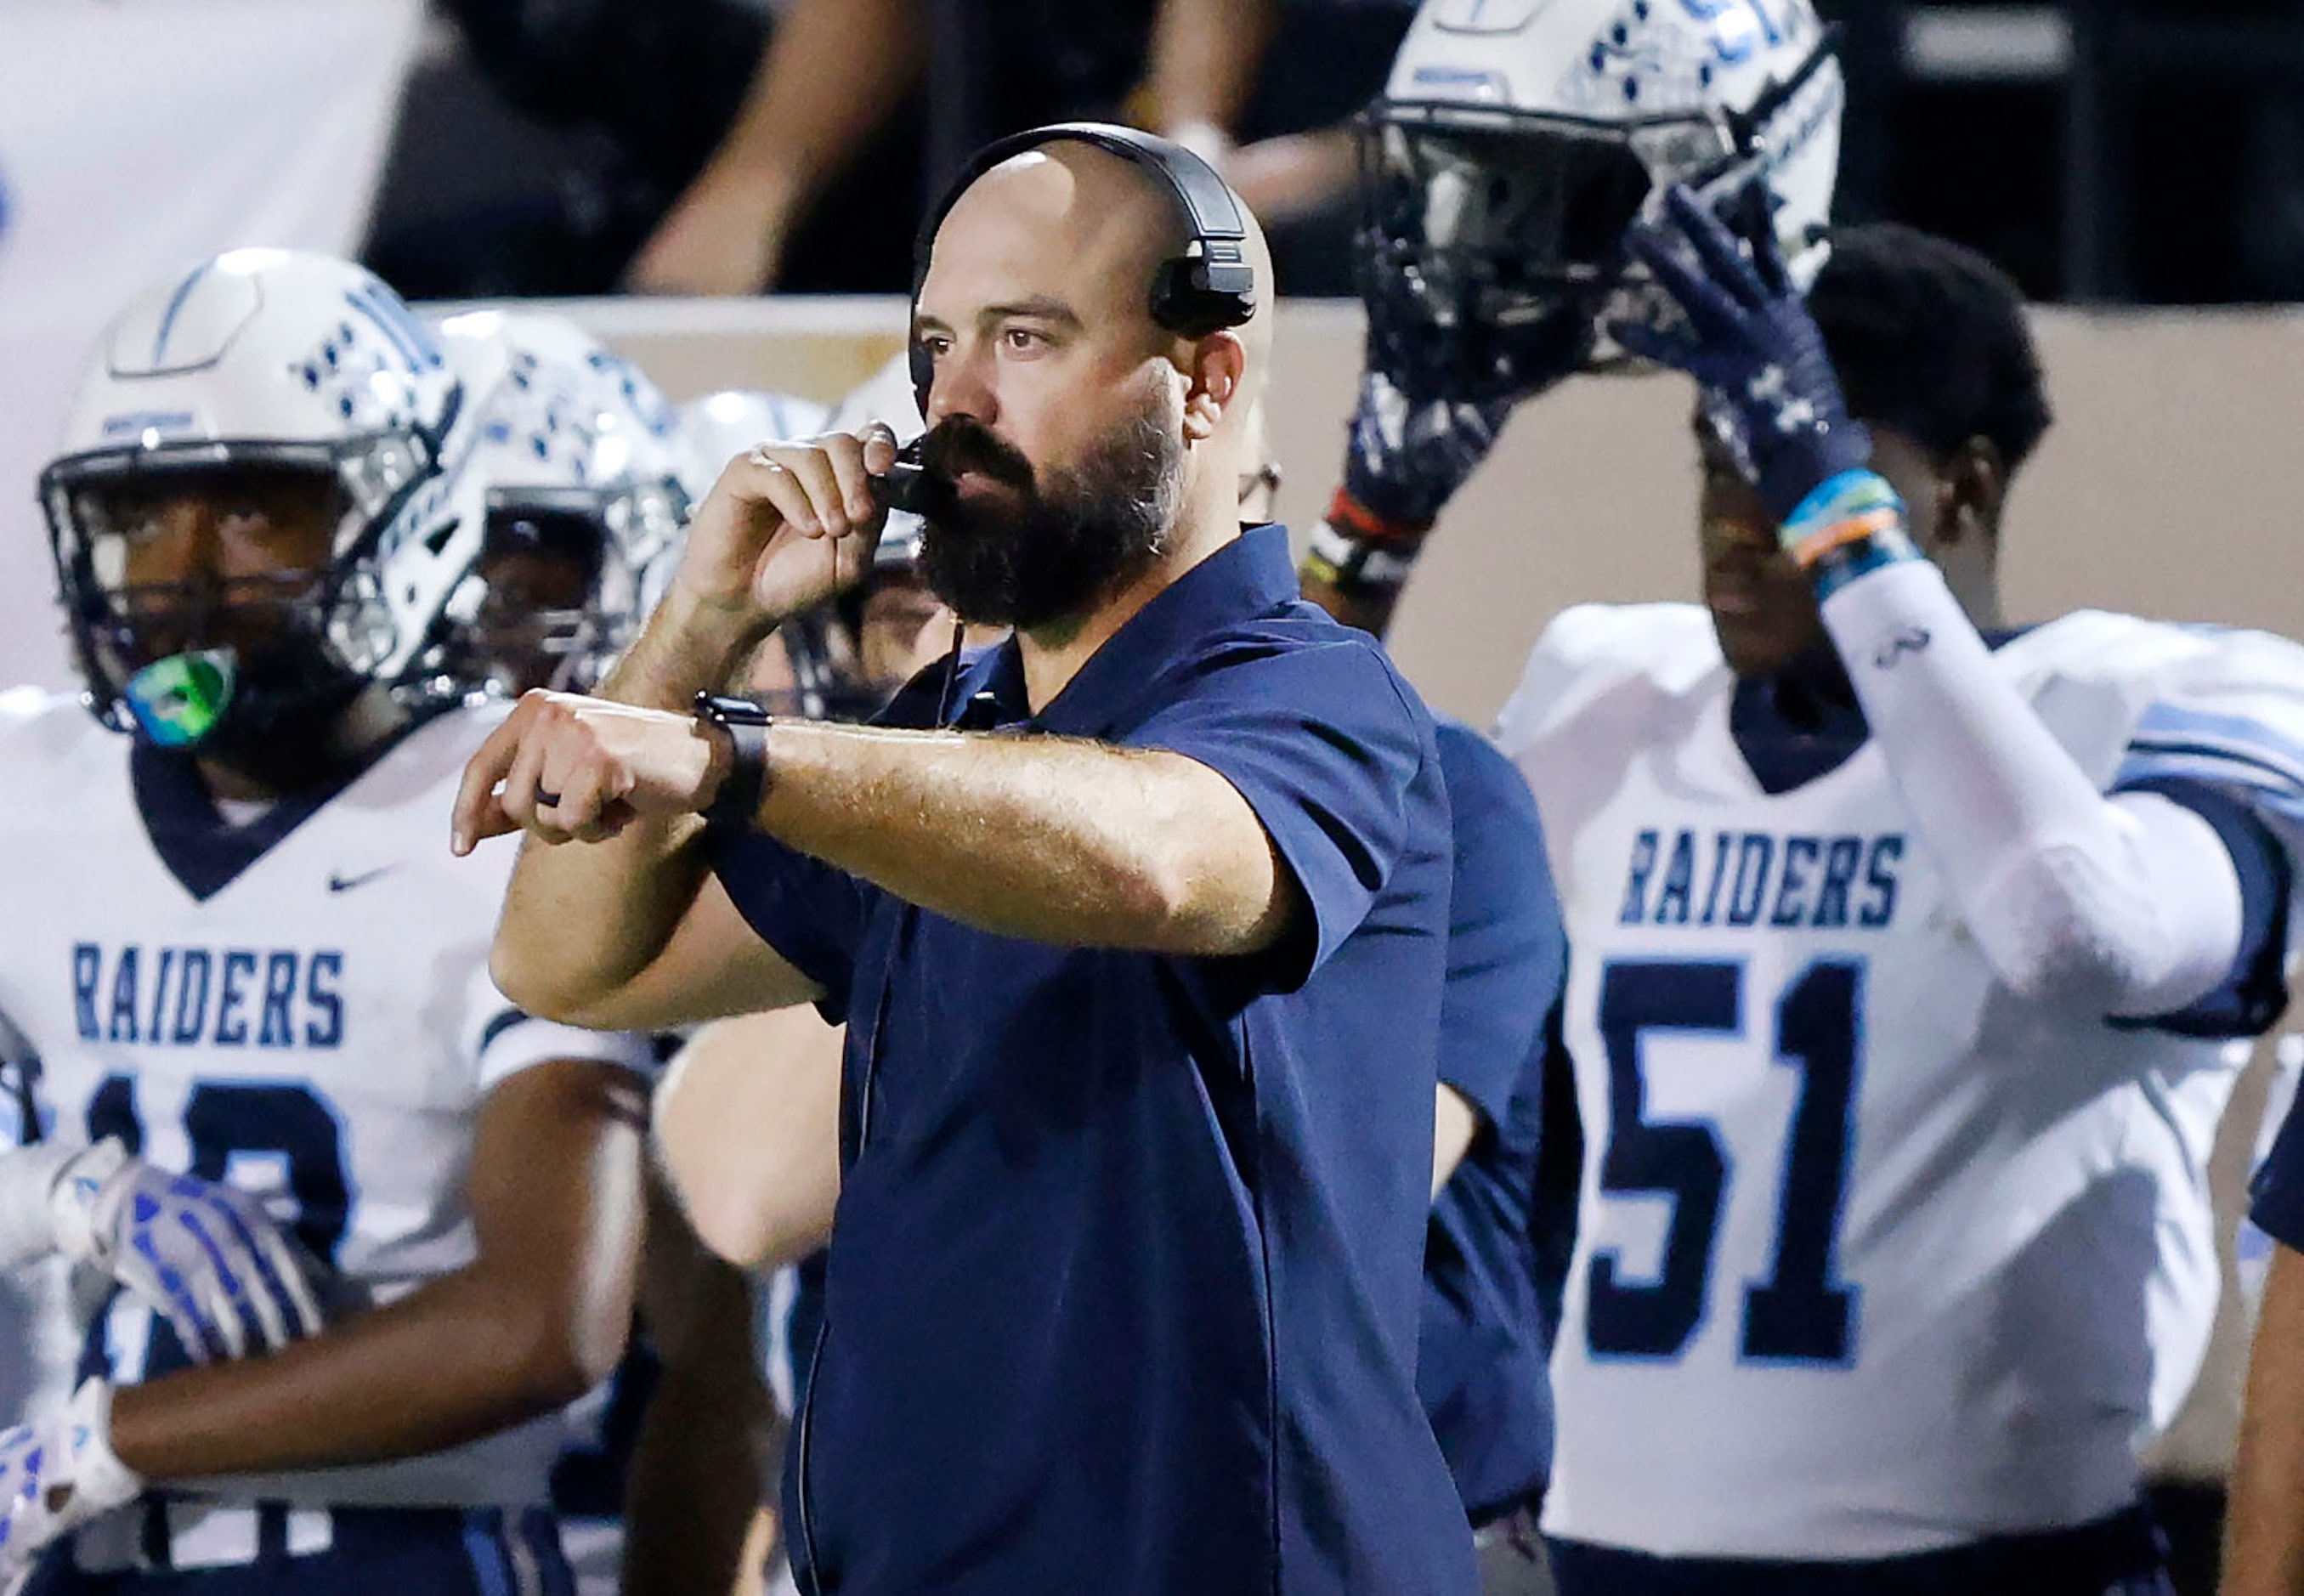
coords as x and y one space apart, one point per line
1124 1291
1486 1335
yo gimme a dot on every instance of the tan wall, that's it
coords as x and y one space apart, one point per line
2171 485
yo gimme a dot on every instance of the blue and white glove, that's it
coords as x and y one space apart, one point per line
1403 462
1768 385
56 1474
203 1256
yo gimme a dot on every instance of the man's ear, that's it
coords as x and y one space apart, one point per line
1976 482
1216 364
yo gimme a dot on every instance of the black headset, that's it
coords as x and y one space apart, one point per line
1211 286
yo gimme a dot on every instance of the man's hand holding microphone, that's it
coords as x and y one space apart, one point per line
787 526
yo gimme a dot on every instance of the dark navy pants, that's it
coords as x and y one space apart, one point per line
370 1551
2120 1556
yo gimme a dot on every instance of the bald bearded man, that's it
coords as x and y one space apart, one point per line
1136 921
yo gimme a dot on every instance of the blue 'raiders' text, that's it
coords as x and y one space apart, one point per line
198 996
1756 879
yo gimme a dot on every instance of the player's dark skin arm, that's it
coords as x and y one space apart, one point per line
2264 1527
538 1318
699 1470
1370 611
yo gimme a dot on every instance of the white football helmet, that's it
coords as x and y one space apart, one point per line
1516 142
573 480
262 371
716 428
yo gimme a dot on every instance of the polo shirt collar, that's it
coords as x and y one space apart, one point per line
1249 576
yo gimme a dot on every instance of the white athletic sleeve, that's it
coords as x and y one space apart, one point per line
2128 905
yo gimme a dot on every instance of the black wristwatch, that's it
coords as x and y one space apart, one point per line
738 801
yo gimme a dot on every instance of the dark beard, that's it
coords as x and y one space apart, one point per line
1062 546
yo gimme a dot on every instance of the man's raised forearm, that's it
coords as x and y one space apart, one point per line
1047 839
689 646
579 922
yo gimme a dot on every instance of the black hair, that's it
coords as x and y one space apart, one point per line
1929 338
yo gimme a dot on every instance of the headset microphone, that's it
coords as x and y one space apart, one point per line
906 487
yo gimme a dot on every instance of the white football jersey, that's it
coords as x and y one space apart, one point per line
300 1006
1874 1255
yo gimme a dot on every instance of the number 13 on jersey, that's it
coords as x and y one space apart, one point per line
1799 1311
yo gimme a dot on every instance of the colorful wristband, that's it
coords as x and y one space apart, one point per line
1852 524
1358 552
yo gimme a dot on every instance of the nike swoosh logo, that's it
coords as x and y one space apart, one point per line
337 883
1911 640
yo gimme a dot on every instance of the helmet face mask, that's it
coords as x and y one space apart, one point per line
268 613
1492 241
533 621
570 484
1510 157
554 597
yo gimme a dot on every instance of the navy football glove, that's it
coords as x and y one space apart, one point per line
1768 385
1404 462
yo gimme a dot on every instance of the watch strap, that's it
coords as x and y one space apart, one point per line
738 801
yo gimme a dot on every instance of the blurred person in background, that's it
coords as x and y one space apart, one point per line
235 958
2264 1553
1986 891
559 583
747 1117
536 159
836 68
733 1113
1495 1246
1511 148
1206 72
565 570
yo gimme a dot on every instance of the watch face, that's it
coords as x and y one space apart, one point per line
732 711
